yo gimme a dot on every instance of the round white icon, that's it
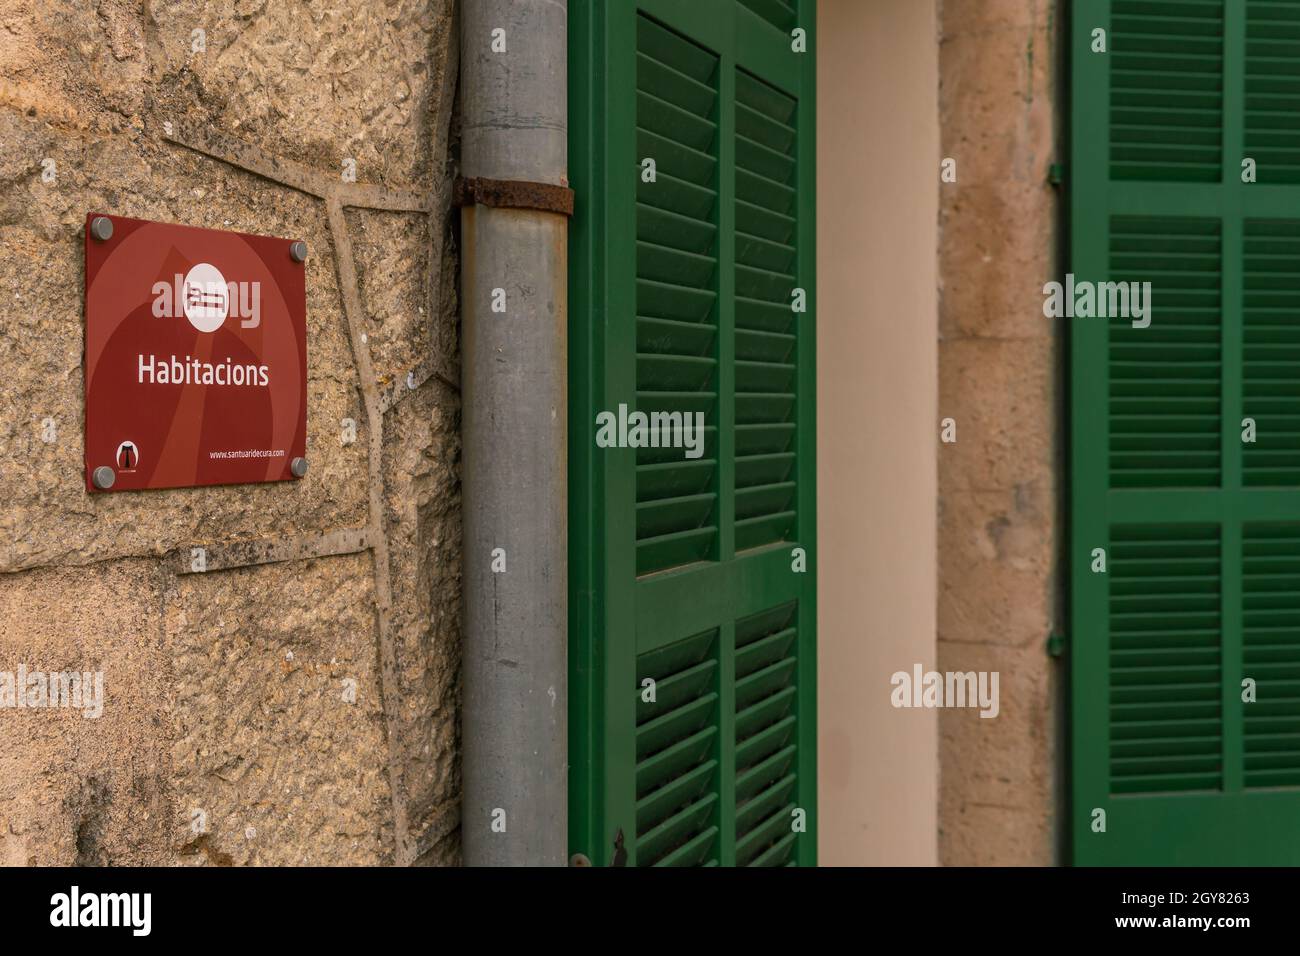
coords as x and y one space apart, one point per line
207 297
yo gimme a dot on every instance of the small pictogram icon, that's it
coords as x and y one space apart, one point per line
128 456
207 297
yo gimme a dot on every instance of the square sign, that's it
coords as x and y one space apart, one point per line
196 356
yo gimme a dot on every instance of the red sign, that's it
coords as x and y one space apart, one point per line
196 356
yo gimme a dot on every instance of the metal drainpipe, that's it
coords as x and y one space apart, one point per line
515 486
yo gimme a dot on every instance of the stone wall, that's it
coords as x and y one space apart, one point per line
285 711
999 379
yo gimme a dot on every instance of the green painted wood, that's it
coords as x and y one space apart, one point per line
1202 586
681 570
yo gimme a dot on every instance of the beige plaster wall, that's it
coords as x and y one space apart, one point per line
878 155
224 691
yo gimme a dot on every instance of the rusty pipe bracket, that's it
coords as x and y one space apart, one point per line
512 194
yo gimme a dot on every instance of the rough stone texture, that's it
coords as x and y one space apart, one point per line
425 536
207 711
264 741
402 325
75 790
1000 780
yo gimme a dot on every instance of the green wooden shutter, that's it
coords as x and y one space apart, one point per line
1201 530
681 301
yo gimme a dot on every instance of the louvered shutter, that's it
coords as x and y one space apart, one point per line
1201 530
684 569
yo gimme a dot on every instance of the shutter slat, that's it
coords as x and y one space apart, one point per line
753 811
765 733
766 834
676 741
756 716
765 742
766 141
1272 116
1166 73
682 833
778 854
1271 648
1163 690
1147 376
1271 374
676 263
776 12
693 853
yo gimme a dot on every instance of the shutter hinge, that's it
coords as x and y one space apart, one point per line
1056 173
618 859
620 854
1055 645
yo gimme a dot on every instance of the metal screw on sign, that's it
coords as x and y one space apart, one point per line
101 227
299 467
298 251
103 477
